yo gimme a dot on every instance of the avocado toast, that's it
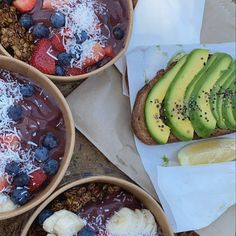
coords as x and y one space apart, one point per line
172 107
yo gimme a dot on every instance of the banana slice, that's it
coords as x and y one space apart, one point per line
132 223
6 204
63 223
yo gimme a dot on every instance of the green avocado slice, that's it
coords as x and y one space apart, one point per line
188 99
201 116
225 107
159 131
179 123
216 91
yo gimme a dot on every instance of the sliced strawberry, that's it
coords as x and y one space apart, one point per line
24 5
10 141
47 4
98 54
109 51
75 71
3 183
37 179
57 43
41 59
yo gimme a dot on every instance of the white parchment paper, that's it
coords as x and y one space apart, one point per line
191 212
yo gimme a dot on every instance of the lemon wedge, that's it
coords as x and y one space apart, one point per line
210 151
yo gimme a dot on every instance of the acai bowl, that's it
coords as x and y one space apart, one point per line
67 40
98 206
36 137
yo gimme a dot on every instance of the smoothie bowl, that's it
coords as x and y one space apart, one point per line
67 40
36 137
98 206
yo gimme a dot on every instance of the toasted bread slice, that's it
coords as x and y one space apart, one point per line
138 120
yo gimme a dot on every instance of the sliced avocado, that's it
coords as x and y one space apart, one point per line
155 125
188 99
215 93
179 123
176 57
201 116
226 118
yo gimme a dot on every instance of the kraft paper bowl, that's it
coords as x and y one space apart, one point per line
99 70
145 198
33 74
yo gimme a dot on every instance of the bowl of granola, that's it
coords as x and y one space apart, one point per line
101 206
67 40
36 137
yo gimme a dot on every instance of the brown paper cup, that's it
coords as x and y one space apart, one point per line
30 72
110 63
145 198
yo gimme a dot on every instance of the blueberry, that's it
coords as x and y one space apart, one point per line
12 168
41 154
21 180
81 37
50 141
118 33
20 195
58 20
9 2
44 215
27 90
64 59
86 231
60 70
15 112
51 167
26 21
41 31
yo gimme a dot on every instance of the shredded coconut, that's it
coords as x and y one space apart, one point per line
81 15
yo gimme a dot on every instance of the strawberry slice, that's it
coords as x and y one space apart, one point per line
41 59
109 51
47 4
3 183
75 71
98 54
10 141
57 43
24 5
37 179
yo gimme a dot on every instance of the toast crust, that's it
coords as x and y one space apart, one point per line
138 123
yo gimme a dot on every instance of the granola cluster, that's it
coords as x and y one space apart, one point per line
13 37
74 199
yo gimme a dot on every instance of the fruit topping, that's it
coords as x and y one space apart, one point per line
64 59
15 113
44 215
74 71
81 37
63 222
24 5
118 33
58 20
6 204
41 154
38 177
40 31
27 90
50 141
86 231
12 168
21 180
57 43
20 195
26 21
60 71
51 166
3 183
41 58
